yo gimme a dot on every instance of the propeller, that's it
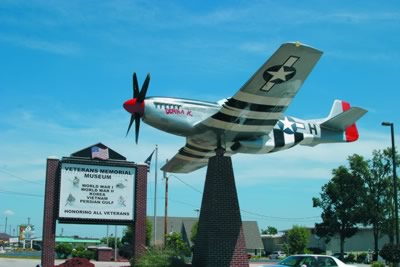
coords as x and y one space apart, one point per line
135 106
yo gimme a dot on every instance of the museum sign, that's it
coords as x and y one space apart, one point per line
96 189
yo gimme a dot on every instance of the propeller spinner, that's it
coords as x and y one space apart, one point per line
135 106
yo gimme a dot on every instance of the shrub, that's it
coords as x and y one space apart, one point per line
390 253
176 243
377 264
63 250
125 251
76 262
362 257
159 258
350 258
82 252
315 250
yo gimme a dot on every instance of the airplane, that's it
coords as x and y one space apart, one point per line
252 121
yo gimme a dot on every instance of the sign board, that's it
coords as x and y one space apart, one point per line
26 231
96 191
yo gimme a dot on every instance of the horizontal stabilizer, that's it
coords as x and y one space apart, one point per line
345 119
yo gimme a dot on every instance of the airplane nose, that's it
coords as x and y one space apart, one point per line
129 105
133 106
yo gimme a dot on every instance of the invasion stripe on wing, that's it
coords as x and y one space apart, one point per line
185 153
240 128
250 114
253 107
191 159
263 100
243 121
195 148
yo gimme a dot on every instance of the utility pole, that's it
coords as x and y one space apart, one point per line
155 199
107 235
5 228
29 220
166 208
115 244
395 198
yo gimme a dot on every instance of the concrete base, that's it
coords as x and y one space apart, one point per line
220 240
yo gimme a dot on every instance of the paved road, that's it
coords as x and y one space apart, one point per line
9 262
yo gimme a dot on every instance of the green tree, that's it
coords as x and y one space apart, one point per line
378 200
341 202
193 232
269 231
111 241
297 239
63 250
128 233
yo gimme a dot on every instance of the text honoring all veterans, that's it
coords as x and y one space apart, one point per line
96 192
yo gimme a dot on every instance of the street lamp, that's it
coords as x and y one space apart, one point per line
396 211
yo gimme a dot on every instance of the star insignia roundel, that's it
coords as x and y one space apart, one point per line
279 73
288 125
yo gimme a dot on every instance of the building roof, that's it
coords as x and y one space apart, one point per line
4 236
183 225
252 235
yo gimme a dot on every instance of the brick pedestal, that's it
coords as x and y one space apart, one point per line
49 216
220 240
104 254
139 227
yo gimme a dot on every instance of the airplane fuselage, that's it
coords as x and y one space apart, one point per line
182 116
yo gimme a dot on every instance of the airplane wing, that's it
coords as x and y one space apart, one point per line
255 109
190 158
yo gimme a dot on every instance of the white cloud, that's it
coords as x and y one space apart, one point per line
8 213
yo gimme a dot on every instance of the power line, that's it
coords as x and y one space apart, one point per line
253 213
20 178
195 189
19 193
181 202
280 218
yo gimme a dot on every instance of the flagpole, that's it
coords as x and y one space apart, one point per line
155 197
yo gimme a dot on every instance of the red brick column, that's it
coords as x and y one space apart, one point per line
220 240
139 227
49 216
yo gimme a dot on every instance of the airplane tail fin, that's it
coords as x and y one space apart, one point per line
343 118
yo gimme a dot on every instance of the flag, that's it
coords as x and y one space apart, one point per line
148 161
100 153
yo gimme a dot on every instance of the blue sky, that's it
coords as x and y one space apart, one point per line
66 66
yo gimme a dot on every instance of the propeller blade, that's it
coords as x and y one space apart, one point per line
135 86
137 126
143 92
130 124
